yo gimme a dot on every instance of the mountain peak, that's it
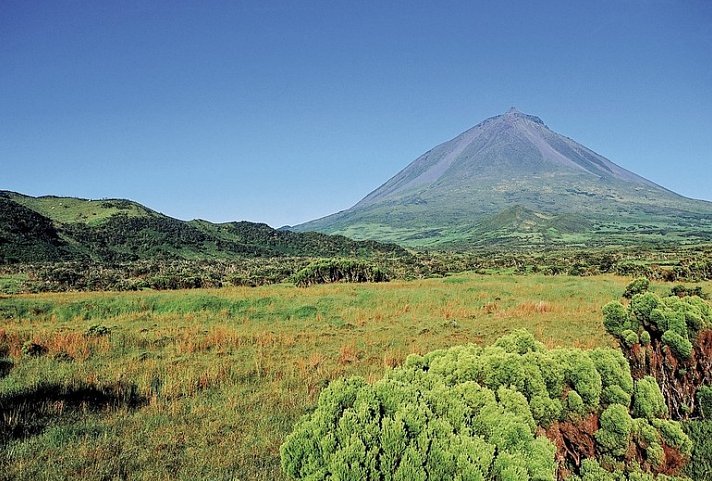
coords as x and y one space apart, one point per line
506 160
514 114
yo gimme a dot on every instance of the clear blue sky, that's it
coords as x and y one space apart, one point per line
283 112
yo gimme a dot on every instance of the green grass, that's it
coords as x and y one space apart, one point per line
12 283
70 210
205 384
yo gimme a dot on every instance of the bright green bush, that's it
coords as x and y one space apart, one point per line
696 313
637 286
630 337
574 404
673 435
407 431
648 318
615 317
648 401
614 435
657 321
615 375
592 471
676 322
647 436
519 342
700 466
681 348
580 373
471 412
641 305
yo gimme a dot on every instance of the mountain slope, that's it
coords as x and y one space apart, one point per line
45 229
452 195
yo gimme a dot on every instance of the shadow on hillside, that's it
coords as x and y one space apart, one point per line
30 412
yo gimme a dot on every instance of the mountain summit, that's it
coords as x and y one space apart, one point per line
512 180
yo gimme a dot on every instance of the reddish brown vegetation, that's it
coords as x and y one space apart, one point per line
678 379
574 442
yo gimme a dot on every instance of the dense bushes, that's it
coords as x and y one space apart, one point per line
182 274
288 253
681 290
338 270
512 411
670 339
700 466
638 286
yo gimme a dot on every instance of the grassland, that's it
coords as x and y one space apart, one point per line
205 384
68 210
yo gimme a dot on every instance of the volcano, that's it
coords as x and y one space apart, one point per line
511 180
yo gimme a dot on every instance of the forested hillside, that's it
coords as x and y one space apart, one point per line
50 229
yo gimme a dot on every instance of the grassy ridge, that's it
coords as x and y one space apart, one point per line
205 384
71 210
52 229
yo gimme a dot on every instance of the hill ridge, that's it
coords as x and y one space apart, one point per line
57 228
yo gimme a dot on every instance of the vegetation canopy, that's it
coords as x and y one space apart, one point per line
668 338
511 411
338 270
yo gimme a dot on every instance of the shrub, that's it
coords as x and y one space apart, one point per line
519 341
614 436
637 286
668 327
630 337
700 433
616 379
33 349
680 347
615 317
704 401
397 430
6 366
97 330
673 435
681 290
648 400
592 471
574 404
471 412
641 305
338 270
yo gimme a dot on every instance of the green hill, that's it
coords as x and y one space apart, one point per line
71 210
46 229
26 234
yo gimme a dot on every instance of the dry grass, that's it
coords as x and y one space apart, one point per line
224 387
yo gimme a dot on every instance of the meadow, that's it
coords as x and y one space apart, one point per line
207 383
